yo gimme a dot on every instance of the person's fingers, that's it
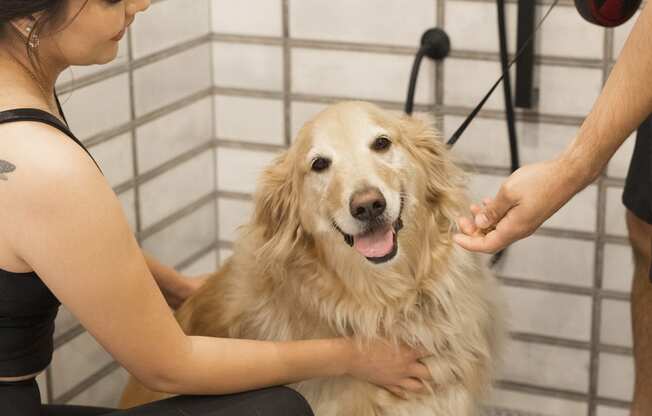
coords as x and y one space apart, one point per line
412 385
397 391
420 371
475 209
495 240
421 352
467 226
494 210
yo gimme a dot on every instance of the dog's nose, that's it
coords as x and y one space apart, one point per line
367 204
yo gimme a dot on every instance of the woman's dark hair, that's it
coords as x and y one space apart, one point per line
52 10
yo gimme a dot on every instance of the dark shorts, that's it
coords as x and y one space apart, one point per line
637 195
23 399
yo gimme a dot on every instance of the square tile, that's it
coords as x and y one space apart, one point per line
615 223
363 21
471 25
255 120
616 321
568 91
173 134
106 392
183 238
611 411
618 267
169 23
237 65
237 17
232 214
547 313
359 75
238 169
176 188
178 76
564 35
616 378
115 159
203 265
87 115
536 404
301 113
468 80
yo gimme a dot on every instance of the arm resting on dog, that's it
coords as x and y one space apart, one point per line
68 225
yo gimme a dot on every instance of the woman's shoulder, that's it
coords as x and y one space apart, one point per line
35 157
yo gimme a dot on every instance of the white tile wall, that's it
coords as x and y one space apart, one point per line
540 405
616 376
238 65
257 120
115 159
238 17
618 267
616 323
238 169
203 265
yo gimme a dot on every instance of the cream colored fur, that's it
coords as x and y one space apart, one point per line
292 276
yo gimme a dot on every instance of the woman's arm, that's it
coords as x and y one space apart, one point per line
175 287
535 192
68 225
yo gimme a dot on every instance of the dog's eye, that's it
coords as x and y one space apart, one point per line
381 143
320 164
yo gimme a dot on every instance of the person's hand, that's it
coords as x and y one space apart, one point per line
183 288
525 200
396 368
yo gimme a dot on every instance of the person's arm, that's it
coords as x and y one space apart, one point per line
175 286
63 219
535 192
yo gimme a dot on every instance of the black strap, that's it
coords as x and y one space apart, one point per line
36 114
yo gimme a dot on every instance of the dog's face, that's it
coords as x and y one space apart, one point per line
355 176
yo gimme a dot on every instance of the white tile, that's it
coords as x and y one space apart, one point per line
568 91
472 26
240 17
542 141
169 23
224 255
547 366
174 134
615 223
536 404
616 326
301 113
176 188
128 201
183 238
549 313
616 378
467 82
358 75
203 265
232 214
621 33
65 321
549 259
563 34
171 79
257 120
248 66
618 267
611 411
484 142
390 22
87 115
115 159
238 169
76 360
74 73
104 393
619 163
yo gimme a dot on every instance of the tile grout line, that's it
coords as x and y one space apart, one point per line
287 72
214 122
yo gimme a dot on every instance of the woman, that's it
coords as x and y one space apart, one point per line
64 238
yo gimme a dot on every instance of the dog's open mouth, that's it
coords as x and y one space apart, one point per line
379 244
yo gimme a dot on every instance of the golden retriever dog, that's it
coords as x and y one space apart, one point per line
352 236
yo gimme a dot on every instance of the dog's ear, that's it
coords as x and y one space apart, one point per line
276 215
445 183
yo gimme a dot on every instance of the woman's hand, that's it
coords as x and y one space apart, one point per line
525 200
181 288
396 368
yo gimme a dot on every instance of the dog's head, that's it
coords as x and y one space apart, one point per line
358 183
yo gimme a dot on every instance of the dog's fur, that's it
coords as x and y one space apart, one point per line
292 275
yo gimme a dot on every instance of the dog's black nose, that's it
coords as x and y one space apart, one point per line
367 204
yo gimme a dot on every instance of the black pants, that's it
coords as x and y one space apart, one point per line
23 399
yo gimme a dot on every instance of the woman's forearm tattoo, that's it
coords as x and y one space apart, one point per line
6 167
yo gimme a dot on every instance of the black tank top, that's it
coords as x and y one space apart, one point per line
27 307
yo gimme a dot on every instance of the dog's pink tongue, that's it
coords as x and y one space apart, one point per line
376 244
